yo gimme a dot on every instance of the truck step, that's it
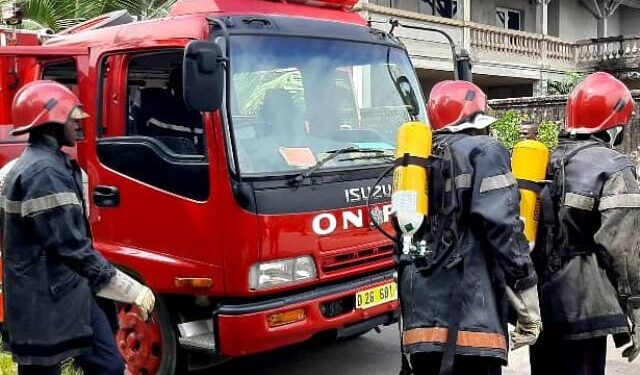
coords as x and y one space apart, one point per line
197 335
204 342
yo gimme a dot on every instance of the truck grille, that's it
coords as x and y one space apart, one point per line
342 261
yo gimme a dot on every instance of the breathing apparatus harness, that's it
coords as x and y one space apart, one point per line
552 195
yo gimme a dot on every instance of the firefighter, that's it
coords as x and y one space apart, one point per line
588 249
475 258
52 273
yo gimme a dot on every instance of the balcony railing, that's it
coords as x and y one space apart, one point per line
594 52
505 41
540 48
560 50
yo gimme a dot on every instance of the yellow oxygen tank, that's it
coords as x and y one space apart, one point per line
409 196
529 162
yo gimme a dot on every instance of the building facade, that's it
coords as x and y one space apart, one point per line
517 46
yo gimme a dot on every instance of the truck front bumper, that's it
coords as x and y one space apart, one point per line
244 329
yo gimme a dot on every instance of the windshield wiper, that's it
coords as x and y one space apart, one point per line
370 157
333 154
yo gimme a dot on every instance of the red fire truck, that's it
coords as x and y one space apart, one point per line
229 155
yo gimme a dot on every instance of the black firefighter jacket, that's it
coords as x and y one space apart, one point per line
50 265
592 265
494 250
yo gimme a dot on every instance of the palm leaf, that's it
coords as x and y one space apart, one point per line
255 86
47 12
59 14
162 9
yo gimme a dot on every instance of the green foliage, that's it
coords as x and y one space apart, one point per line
548 133
7 367
564 87
69 369
251 88
58 14
145 9
507 130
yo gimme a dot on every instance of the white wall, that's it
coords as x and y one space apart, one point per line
614 26
576 22
484 12
629 21
409 5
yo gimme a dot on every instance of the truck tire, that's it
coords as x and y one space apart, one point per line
149 348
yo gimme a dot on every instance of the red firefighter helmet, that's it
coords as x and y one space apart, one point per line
599 103
453 103
41 102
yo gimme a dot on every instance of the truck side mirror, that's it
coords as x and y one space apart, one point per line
203 76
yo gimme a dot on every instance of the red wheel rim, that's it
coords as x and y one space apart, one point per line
140 342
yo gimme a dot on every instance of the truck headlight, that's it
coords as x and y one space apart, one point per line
271 274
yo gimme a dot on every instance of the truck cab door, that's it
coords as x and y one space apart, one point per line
20 65
153 195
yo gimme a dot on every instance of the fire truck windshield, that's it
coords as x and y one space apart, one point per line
295 100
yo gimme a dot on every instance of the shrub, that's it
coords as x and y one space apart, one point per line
507 130
548 133
565 86
6 364
7 367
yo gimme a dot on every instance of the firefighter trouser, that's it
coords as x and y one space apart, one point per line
429 364
105 358
568 357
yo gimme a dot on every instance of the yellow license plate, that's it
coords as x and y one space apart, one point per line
377 296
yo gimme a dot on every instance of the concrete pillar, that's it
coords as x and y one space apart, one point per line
542 17
466 17
602 27
540 87
466 10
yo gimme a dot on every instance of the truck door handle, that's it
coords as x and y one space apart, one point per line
106 196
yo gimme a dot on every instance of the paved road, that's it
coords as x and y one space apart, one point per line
371 354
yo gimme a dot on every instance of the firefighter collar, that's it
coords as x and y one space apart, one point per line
46 141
